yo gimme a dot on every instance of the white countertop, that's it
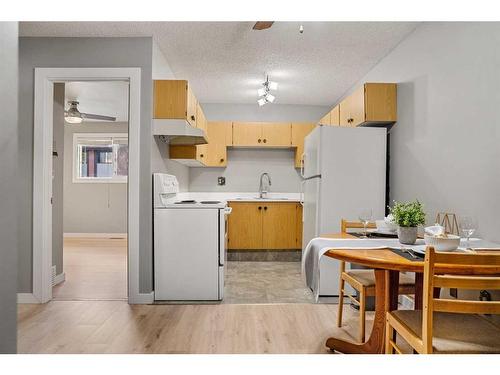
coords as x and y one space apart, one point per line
240 197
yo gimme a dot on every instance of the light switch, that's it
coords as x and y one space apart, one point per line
221 181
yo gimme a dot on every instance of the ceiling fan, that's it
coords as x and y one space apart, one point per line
262 25
74 116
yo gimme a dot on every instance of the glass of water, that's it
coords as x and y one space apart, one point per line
468 227
365 216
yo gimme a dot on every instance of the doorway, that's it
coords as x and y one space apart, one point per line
89 190
45 78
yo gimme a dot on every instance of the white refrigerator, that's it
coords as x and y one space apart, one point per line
344 172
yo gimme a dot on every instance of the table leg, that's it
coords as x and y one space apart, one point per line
386 298
419 290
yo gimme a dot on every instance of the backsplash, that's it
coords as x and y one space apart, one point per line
244 169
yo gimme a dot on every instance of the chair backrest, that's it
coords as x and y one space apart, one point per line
465 265
346 224
449 221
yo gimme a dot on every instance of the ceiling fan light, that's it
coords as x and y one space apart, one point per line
73 115
261 91
262 102
73 119
270 98
272 85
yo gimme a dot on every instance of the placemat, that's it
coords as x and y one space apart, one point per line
419 257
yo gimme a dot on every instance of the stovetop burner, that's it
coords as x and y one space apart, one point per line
188 201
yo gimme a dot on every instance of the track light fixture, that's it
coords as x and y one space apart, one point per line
265 95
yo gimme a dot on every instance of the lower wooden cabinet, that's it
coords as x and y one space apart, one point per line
265 226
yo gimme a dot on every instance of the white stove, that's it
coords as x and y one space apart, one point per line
190 238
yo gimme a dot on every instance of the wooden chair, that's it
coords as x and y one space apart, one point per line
449 326
363 281
449 221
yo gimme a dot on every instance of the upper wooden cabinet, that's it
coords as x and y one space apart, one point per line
262 134
212 154
201 121
326 119
174 99
332 117
372 103
299 132
335 116
264 225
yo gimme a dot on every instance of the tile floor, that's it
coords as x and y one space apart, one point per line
265 282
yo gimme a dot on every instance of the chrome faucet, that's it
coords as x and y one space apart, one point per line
263 192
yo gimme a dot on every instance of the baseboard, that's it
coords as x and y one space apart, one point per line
59 278
142 299
26 298
95 235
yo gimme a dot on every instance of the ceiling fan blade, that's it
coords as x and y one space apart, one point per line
262 25
92 116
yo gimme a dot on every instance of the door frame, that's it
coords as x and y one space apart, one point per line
42 173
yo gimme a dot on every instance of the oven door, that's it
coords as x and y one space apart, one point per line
223 229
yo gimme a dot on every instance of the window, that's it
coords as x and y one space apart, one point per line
101 157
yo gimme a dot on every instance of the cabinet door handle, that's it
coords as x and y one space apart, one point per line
259 140
260 208
265 140
193 118
222 160
201 155
265 208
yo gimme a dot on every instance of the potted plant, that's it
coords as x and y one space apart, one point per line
408 216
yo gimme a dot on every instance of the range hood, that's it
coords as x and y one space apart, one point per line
178 132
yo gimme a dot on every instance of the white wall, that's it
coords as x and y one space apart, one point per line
92 208
245 165
445 147
160 161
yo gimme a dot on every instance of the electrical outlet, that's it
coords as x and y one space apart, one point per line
221 181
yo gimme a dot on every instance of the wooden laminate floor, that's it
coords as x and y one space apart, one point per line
89 313
116 327
95 269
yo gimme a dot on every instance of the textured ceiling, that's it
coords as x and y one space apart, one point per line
225 62
100 98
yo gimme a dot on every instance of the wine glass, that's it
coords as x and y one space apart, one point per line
468 227
365 216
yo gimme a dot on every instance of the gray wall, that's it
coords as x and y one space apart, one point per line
58 180
245 165
445 147
82 52
244 168
92 208
8 186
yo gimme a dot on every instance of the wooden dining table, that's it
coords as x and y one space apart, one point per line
387 265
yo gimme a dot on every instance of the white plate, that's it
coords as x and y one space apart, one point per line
419 249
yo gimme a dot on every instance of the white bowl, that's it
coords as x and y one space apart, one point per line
383 226
442 244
